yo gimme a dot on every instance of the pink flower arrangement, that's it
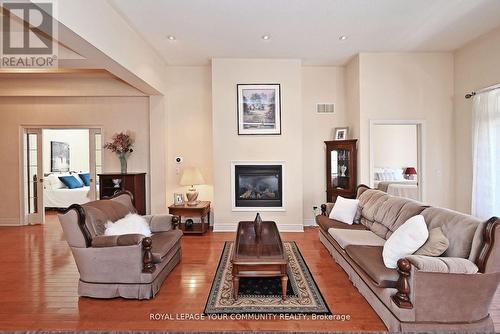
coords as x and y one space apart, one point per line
122 143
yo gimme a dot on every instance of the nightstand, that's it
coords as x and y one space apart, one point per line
184 211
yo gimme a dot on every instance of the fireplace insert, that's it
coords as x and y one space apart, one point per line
258 186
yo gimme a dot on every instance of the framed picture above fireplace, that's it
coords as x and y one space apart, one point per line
259 109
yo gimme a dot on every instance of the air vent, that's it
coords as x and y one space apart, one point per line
325 108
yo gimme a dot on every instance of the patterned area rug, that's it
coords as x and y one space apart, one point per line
260 295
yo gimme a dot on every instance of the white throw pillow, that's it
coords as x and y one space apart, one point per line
130 224
405 240
344 210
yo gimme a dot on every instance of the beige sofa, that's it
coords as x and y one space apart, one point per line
129 266
424 293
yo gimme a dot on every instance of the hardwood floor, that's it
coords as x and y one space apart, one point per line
38 288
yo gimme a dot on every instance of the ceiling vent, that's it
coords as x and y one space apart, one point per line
325 108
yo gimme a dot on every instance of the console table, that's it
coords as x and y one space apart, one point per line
184 211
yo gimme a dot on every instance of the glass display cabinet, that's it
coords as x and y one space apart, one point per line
341 169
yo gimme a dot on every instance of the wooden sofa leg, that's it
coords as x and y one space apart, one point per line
402 297
149 267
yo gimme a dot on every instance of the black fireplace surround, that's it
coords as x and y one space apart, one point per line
258 186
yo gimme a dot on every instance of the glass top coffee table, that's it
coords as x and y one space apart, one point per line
255 256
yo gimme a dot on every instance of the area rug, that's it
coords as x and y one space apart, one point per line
263 295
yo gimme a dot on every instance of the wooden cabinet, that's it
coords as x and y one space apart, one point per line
341 169
111 183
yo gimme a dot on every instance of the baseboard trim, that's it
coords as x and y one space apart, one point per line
310 222
281 227
10 222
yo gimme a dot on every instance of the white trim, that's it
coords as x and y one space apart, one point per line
234 163
310 222
421 150
281 227
10 222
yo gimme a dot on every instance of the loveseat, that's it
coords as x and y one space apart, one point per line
130 265
449 292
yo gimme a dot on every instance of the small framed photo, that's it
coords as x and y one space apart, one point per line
341 133
178 199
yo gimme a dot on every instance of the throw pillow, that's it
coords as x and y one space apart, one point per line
405 240
344 210
130 224
85 178
436 245
70 181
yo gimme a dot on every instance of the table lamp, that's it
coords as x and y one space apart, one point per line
191 176
410 173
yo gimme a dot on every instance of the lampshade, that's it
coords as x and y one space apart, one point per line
191 176
410 171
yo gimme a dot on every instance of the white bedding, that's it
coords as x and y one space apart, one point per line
64 197
403 190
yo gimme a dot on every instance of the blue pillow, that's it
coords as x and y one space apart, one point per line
85 178
70 181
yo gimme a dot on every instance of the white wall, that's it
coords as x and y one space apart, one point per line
78 140
409 86
189 128
476 67
320 84
394 145
229 146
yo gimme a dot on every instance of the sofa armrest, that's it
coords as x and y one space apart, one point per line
326 208
449 265
162 223
444 296
117 240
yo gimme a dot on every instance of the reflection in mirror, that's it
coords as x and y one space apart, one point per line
395 159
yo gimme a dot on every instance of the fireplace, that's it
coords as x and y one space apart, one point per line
258 186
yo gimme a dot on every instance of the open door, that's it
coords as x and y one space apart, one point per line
95 159
34 212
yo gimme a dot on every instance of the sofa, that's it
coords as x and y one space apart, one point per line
129 266
451 292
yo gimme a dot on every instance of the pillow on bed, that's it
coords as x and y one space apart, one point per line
52 182
85 177
70 181
130 224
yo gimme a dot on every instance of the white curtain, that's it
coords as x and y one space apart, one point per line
486 155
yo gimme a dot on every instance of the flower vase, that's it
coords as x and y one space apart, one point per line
123 163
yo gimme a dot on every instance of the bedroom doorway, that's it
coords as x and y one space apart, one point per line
59 168
396 165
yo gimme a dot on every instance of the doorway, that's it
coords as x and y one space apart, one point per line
396 159
59 168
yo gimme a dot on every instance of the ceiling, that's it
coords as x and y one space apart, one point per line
305 29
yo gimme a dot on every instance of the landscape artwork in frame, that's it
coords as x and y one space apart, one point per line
59 156
259 109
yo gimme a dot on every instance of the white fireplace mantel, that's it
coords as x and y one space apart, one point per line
235 163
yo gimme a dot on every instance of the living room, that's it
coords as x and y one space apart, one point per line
227 107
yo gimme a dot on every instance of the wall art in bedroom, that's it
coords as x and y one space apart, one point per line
59 156
259 109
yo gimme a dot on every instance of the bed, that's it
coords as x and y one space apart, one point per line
57 195
392 181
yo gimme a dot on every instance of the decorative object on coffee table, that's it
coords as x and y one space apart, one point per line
263 295
258 256
186 212
257 225
191 177
121 144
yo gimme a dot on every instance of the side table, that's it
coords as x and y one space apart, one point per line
201 210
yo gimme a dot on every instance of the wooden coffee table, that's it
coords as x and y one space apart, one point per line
258 257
